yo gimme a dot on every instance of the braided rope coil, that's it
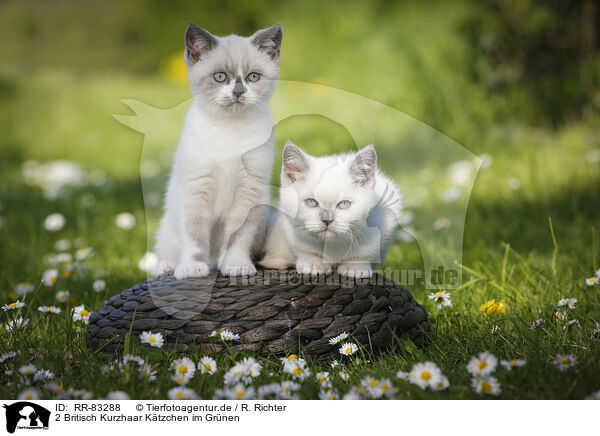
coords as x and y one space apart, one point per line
275 312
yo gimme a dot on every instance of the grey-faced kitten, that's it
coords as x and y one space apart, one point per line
218 191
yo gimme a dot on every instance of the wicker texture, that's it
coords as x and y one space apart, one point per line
274 313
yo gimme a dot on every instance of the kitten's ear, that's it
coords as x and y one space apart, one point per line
294 162
269 41
363 166
198 42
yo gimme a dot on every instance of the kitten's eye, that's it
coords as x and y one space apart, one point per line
344 204
220 77
253 77
311 202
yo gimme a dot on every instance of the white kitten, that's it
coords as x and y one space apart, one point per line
333 211
218 192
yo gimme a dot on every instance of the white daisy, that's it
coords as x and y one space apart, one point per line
403 375
16 324
117 395
23 289
153 339
514 183
328 395
339 338
442 384
148 262
348 349
83 394
270 391
571 323
441 223
352 394
343 375
323 378
131 358
29 394
49 277
13 306
513 363
592 281
536 323
43 375
8 355
146 371
289 386
63 258
80 313
486 385
569 302
184 367
207 365
482 365
442 298
425 374
180 379
334 363
62 245
297 369
228 335
62 296
54 222
49 309
181 393
564 361
291 357
125 220
237 392
27 369
99 286
84 253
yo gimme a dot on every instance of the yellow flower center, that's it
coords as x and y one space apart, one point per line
482 365
151 339
179 394
348 350
53 279
297 371
240 394
425 375
12 304
207 366
566 360
292 357
486 386
67 274
331 397
84 313
322 379
513 361
183 369
438 294
47 308
384 387
28 397
372 382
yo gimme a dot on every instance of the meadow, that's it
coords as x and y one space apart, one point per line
531 229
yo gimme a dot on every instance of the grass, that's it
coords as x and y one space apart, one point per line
527 247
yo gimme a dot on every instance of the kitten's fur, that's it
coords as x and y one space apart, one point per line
218 192
316 229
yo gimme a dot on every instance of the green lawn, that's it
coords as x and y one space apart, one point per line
527 246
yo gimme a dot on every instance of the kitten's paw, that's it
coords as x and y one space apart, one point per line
164 267
273 263
191 269
355 270
312 267
239 267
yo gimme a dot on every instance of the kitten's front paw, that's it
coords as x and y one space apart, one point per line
273 263
355 270
312 267
164 267
191 269
240 267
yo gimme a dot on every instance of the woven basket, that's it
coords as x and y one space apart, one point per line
275 313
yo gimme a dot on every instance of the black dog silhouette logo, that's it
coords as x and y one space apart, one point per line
26 415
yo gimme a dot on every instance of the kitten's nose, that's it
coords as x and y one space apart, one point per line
238 88
326 217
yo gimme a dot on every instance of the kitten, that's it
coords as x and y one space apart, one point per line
333 211
218 192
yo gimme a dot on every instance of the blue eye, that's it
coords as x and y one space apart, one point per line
220 77
253 77
311 202
344 204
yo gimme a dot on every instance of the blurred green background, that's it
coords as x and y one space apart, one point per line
516 82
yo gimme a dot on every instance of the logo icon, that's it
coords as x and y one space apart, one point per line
26 415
